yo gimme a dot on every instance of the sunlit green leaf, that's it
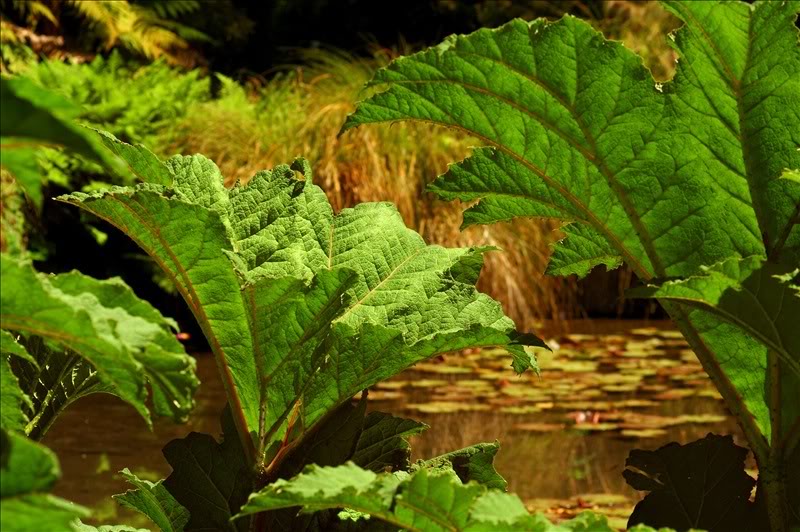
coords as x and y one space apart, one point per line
420 501
154 501
305 308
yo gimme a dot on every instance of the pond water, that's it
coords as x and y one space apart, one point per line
607 387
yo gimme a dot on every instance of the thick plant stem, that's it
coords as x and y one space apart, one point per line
758 444
773 474
772 479
230 392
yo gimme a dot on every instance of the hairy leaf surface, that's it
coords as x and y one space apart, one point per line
475 462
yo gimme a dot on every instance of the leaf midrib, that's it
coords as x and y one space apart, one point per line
594 160
377 286
190 296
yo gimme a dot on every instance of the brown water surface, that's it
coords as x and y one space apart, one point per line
607 388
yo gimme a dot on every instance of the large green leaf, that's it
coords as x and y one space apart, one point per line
670 177
302 307
107 340
580 251
28 472
12 399
56 378
749 298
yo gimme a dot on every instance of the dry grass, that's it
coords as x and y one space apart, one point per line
643 27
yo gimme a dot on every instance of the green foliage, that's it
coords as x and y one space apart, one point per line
99 336
104 339
303 308
133 102
421 501
33 117
383 442
680 179
210 480
149 29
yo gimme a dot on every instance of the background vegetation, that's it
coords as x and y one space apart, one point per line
192 78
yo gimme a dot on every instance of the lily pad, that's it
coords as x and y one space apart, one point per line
428 383
595 427
643 433
447 407
521 410
539 427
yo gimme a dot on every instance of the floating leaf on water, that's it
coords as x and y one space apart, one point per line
473 383
633 403
595 427
428 383
378 395
572 366
492 375
447 407
643 372
674 394
527 392
539 427
637 421
584 405
521 410
620 388
604 499
654 388
671 334
643 433
645 331
641 353
710 393
701 419
390 385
